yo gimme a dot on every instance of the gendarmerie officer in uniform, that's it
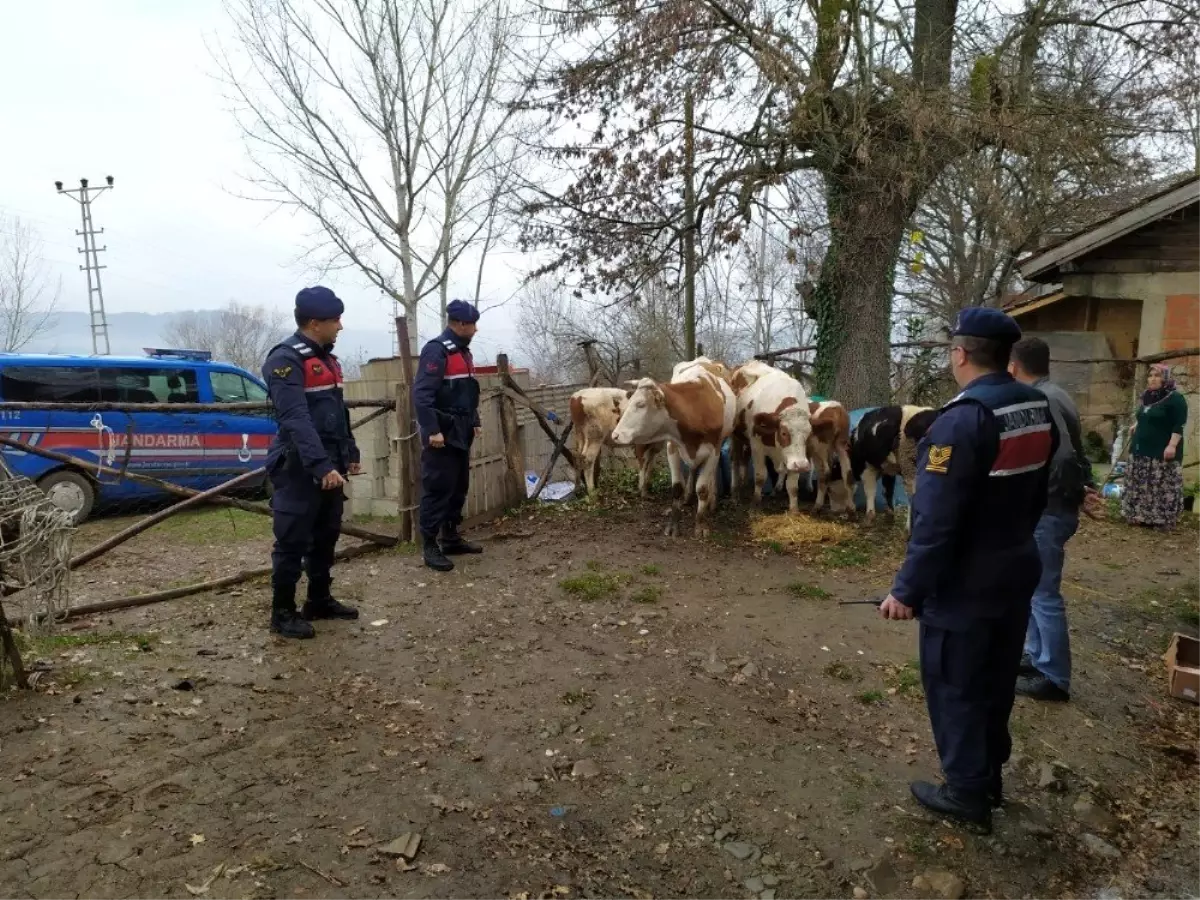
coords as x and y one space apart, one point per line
972 564
446 397
311 456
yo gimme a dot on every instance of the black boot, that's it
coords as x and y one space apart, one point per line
996 790
1039 687
1026 666
284 621
434 557
321 605
454 544
969 809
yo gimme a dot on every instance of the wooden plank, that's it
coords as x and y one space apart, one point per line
513 484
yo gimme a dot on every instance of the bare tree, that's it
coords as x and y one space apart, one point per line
390 124
877 98
27 297
240 333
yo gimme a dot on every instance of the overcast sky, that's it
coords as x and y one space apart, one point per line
128 88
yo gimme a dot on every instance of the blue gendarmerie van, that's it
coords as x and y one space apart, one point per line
196 450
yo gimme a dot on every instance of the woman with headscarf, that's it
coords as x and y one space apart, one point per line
1153 493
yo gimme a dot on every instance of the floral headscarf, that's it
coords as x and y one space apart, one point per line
1156 395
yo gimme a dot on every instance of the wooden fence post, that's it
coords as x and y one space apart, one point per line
514 450
410 469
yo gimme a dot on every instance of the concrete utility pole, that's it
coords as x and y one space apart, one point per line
84 195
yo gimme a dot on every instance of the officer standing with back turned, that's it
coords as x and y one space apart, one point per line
972 564
311 456
446 398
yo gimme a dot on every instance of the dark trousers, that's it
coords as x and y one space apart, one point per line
445 476
970 678
307 524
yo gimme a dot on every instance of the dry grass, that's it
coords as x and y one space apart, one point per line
799 530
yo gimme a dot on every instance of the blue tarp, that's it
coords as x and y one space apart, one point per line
808 489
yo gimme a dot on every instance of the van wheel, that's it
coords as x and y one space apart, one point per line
71 492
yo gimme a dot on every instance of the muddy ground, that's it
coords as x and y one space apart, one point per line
589 709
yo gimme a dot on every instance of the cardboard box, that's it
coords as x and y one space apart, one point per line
1183 667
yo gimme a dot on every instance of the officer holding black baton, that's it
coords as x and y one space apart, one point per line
972 564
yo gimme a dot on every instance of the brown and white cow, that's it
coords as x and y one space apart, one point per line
595 412
693 412
772 422
885 443
830 441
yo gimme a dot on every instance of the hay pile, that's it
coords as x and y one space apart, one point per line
799 530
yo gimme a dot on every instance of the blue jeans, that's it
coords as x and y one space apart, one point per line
1046 640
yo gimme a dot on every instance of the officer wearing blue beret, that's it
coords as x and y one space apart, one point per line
309 460
446 397
972 563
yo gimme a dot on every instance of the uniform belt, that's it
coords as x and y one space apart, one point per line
455 411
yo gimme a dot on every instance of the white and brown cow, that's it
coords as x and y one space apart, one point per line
772 422
595 412
693 412
830 443
885 443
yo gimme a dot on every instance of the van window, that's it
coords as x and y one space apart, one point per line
230 387
146 385
49 384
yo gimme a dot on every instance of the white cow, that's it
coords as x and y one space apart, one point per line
694 413
595 412
773 421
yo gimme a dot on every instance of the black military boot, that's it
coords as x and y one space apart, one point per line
284 621
434 557
996 790
454 544
969 809
321 605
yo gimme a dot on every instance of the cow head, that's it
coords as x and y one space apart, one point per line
644 417
788 429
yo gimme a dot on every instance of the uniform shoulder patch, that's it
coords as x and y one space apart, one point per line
282 371
431 367
939 459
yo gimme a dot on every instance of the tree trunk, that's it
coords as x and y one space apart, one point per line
853 299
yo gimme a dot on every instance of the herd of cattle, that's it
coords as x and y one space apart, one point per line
766 415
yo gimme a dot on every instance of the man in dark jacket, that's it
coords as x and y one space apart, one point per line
972 564
311 456
446 397
1046 666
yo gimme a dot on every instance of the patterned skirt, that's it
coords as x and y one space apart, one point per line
1153 492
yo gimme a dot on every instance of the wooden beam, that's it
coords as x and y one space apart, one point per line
150 521
12 651
558 448
257 406
539 414
386 540
514 451
188 590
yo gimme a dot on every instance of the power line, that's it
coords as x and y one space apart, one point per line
84 195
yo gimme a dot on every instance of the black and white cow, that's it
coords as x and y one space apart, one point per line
885 443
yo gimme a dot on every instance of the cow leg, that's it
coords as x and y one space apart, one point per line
889 492
689 490
758 459
870 484
675 464
792 480
706 491
591 467
645 454
843 456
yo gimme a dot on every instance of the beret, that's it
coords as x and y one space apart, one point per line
319 303
985 322
462 311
